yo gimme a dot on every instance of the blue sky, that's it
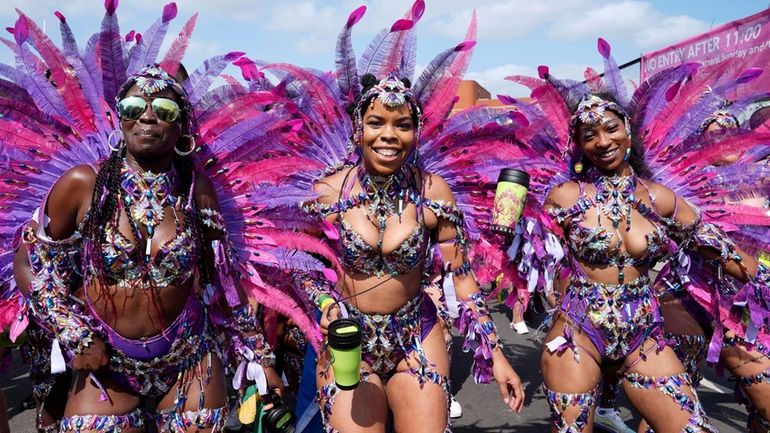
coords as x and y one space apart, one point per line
515 36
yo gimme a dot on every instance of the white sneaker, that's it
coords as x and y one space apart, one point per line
455 410
520 328
609 420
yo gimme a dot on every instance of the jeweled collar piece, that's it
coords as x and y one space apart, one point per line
615 198
146 196
383 193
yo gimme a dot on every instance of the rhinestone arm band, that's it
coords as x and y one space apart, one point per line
54 265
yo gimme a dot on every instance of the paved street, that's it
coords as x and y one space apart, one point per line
483 408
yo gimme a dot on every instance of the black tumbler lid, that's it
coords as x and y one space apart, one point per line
345 340
514 175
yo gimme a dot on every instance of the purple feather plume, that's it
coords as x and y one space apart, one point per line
347 74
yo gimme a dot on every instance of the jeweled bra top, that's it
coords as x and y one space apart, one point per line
594 245
384 197
144 198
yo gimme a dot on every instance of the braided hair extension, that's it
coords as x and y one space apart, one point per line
104 203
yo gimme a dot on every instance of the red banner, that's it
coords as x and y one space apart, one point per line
744 39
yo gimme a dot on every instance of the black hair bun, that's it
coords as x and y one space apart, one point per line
350 109
407 82
368 81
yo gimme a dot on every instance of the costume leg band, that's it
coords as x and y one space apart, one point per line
204 418
673 386
103 423
745 381
560 402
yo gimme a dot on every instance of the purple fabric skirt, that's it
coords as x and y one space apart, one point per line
150 366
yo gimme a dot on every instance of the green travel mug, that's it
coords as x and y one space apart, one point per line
510 196
345 345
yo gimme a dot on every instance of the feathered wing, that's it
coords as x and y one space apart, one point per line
347 74
438 101
688 160
51 125
667 113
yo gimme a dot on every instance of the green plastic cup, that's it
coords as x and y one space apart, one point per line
345 346
510 196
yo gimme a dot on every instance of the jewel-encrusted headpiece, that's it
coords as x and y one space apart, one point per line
590 111
721 117
392 93
152 79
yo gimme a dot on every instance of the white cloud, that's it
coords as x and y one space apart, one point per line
317 25
624 17
494 81
499 19
627 19
240 10
669 30
637 21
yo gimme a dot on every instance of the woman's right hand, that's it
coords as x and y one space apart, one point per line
329 314
93 357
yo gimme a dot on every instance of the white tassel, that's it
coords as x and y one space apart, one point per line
58 365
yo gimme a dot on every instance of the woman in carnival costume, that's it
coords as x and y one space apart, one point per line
385 207
722 140
619 208
687 325
148 269
688 322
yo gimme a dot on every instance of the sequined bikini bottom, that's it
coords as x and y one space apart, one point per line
617 318
389 338
152 366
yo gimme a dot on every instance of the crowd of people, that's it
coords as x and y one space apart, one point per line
172 238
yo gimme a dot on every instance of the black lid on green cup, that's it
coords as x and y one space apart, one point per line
344 334
514 176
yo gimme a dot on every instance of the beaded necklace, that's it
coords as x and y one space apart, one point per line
382 193
615 198
146 196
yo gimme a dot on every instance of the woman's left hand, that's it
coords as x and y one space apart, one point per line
274 380
508 382
274 383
